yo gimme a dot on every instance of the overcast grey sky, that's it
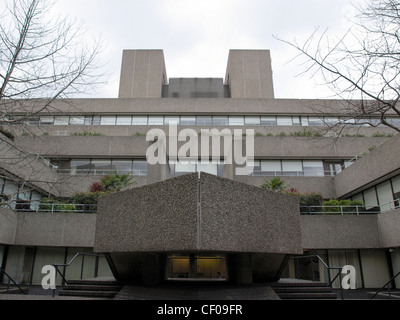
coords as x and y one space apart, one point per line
196 35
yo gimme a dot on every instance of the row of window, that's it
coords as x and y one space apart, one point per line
18 197
201 120
139 167
300 168
212 167
385 195
135 167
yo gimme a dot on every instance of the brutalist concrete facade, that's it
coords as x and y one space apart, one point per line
199 213
257 231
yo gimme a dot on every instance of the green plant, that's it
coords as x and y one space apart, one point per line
115 182
275 184
86 197
87 133
305 133
309 202
334 206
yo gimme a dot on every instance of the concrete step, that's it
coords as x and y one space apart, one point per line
308 295
95 288
77 287
85 293
95 282
303 290
299 284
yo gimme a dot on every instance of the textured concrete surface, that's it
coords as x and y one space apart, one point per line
212 214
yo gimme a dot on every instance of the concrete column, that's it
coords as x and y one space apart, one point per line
244 269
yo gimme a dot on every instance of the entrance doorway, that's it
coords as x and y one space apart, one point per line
193 267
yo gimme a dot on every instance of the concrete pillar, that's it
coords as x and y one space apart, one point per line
244 269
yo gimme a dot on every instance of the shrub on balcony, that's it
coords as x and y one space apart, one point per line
54 205
334 206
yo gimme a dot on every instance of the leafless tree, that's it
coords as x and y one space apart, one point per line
362 67
43 59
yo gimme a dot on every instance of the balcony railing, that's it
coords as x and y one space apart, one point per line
311 173
349 210
49 207
102 172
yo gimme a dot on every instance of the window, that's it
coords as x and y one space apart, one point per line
271 167
208 167
96 120
122 166
139 120
304 121
184 168
46 120
296 121
169 120
80 166
314 121
292 167
124 121
156 120
61 121
331 121
370 199
188 120
35 200
101 166
284 121
204 120
220 120
88 120
77 120
252 120
268 121
140 167
236 120
180 168
385 196
313 168
108 120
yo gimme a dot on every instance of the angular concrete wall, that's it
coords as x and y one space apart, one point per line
256 228
210 214
380 163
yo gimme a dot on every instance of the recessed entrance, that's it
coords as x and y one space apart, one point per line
193 267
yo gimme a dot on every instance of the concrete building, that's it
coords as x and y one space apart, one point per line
201 220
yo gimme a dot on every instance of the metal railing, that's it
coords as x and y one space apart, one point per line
101 172
349 210
49 207
387 284
65 265
310 173
327 268
3 272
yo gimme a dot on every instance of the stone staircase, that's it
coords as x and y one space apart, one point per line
303 290
91 288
